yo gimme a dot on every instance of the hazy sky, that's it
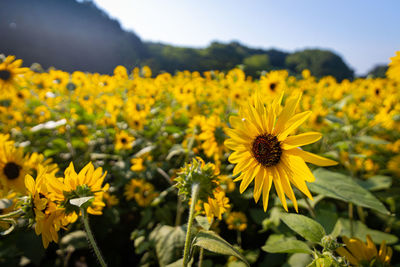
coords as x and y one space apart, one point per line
363 32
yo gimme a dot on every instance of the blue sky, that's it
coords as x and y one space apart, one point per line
364 33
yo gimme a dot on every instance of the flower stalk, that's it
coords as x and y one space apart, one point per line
90 237
194 196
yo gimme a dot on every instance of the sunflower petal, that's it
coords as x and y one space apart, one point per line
311 157
293 123
300 140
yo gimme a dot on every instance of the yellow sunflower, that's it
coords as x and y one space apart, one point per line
13 167
10 69
359 253
88 182
264 151
123 141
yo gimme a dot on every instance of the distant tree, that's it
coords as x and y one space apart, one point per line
223 56
378 71
256 63
320 63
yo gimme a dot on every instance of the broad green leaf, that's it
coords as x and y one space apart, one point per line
298 260
282 244
377 182
327 218
342 187
304 226
342 228
214 243
203 222
371 140
169 242
80 201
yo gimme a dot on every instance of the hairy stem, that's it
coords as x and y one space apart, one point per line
195 194
90 237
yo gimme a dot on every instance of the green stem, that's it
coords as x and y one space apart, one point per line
11 214
195 194
90 237
351 219
201 256
239 238
310 208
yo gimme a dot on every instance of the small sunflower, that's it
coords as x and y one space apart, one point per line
10 69
123 141
264 151
361 254
143 192
236 220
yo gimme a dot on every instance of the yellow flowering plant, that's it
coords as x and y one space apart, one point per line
137 152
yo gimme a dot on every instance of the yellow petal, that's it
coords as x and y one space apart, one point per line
300 140
287 113
311 157
345 253
266 188
292 124
258 184
278 187
248 178
286 187
30 184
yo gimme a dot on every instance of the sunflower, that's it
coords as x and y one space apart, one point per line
143 192
123 141
264 151
359 253
10 69
13 167
88 182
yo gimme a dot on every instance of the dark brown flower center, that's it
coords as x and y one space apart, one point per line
11 170
20 95
5 75
267 150
123 140
272 86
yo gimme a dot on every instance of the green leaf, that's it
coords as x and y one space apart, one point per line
371 140
342 187
377 182
203 222
214 243
304 226
169 242
282 244
342 228
80 201
298 260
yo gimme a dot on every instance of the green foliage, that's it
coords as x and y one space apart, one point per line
211 241
168 242
304 226
320 63
256 63
342 187
282 244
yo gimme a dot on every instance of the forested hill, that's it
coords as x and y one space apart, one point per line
72 35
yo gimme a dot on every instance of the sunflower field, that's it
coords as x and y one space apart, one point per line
198 169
